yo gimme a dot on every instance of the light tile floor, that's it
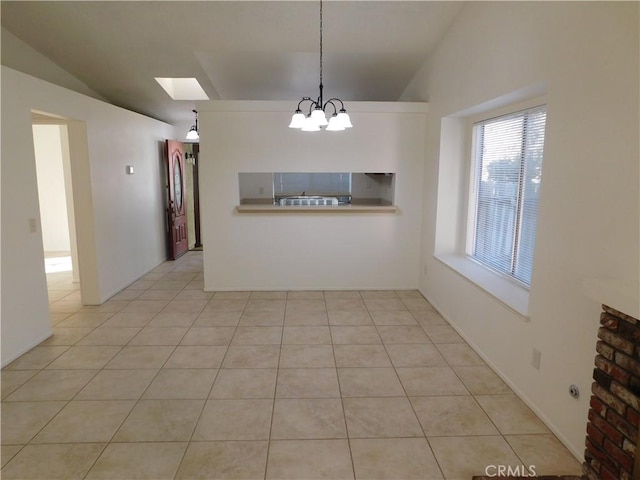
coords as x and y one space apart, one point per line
167 381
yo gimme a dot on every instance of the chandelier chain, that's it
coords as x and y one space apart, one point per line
320 42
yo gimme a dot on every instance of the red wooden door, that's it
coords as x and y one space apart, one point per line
177 206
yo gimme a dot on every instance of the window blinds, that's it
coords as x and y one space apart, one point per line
508 155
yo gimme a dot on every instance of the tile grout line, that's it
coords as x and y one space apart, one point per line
137 401
424 434
344 413
206 400
386 347
44 368
275 388
95 461
471 395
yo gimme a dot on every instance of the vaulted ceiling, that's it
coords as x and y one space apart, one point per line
238 50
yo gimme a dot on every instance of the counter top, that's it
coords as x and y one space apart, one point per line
317 209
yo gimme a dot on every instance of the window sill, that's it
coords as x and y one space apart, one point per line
510 294
317 209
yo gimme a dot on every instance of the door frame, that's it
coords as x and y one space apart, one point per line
77 149
196 195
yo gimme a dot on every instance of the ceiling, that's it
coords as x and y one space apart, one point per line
238 50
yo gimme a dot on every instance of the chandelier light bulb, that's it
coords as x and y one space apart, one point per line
310 125
334 124
319 117
343 118
297 120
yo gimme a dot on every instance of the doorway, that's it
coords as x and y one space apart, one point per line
67 142
55 197
192 153
73 147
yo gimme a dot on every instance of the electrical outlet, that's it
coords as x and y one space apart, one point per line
535 358
33 225
261 190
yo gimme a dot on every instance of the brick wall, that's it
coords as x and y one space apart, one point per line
612 431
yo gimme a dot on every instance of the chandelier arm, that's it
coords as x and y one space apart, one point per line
338 100
303 100
330 101
311 105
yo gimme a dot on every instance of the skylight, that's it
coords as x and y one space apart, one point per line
182 88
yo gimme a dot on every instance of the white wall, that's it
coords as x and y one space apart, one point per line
585 55
309 251
120 218
51 188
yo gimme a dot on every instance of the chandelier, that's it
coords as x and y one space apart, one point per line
317 116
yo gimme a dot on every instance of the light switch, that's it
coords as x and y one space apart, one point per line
536 356
129 169
33 225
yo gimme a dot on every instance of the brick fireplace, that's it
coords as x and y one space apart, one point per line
612 431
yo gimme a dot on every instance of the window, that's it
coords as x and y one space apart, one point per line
507 153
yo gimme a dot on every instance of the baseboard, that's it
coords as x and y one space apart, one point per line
131 282
578 454
298 288
26 349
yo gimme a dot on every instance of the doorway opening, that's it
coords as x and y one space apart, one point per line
192 152
63 180
55 196
57 215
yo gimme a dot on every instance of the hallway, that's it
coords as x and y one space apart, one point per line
167 381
